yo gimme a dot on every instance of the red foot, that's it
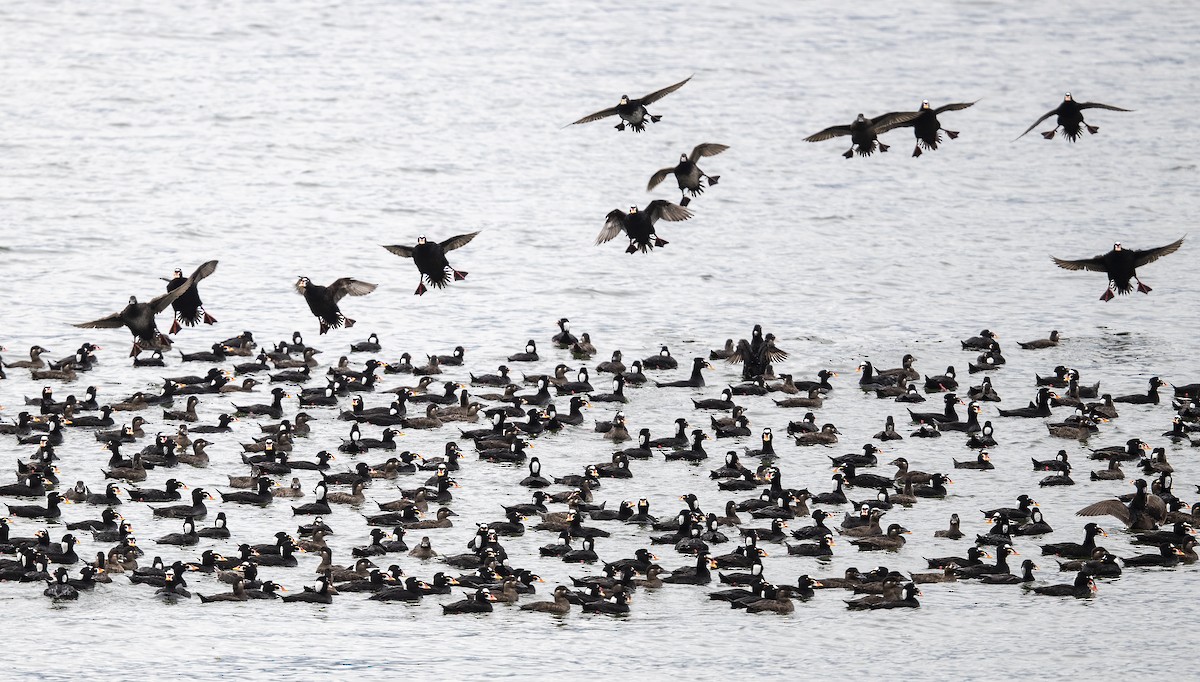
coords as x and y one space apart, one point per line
883 147
175 327
1049 135
421 289
952 134
1108 294
659 241
458 275
209 319
1092 129
1143 288
917 151
324 327
347 322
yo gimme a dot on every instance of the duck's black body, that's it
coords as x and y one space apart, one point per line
430 258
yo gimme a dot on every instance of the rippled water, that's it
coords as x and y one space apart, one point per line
293 139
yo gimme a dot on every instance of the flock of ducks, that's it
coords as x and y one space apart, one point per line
387 495
156 440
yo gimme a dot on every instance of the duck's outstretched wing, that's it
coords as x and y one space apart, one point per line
400 250
885 122
957 106
706 149
1097 105
740 354
659 175
1094 264
1114 508
614 223
1036 123
110 322
603 113
204 271
347 286
458 241
659 94
828 134
1150 255
661 209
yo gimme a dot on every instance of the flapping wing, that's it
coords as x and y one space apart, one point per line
161 303
886 122
659 94
603 113
1156 507
204 271
661 209
458 241
1094 264
775 354
658 177
706 149
1150 255
400 250
742 352
957 106
1114 508
110 322
1097 105
613 224
347 286
1038 122
828 134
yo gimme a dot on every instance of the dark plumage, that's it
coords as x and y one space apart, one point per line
864 132
688 174
633 111
639 225
323 300
139 317
1070 117
430 258
926 127
189 309
1120 264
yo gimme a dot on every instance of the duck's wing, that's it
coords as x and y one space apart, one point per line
1094 264
347 286
400 250
458 241
1150 255
884 123
776 354
614 222
957 106
659 94
1115 508
1097 105
603 113
110 322
1156 507
1038 122
161 303
659 176
828 134
661 209
706 149
741 353
204 271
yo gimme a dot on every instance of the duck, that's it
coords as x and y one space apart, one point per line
633 111
1148 398
323 300
1073 550
139 317
864 132
1070 118
826 436
638 225
928 129
983 461
892 540
1143 512
479 601
1120 265
689 176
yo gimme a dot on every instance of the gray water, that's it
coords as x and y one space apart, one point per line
294 138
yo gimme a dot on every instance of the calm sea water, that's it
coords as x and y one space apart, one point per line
292 139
